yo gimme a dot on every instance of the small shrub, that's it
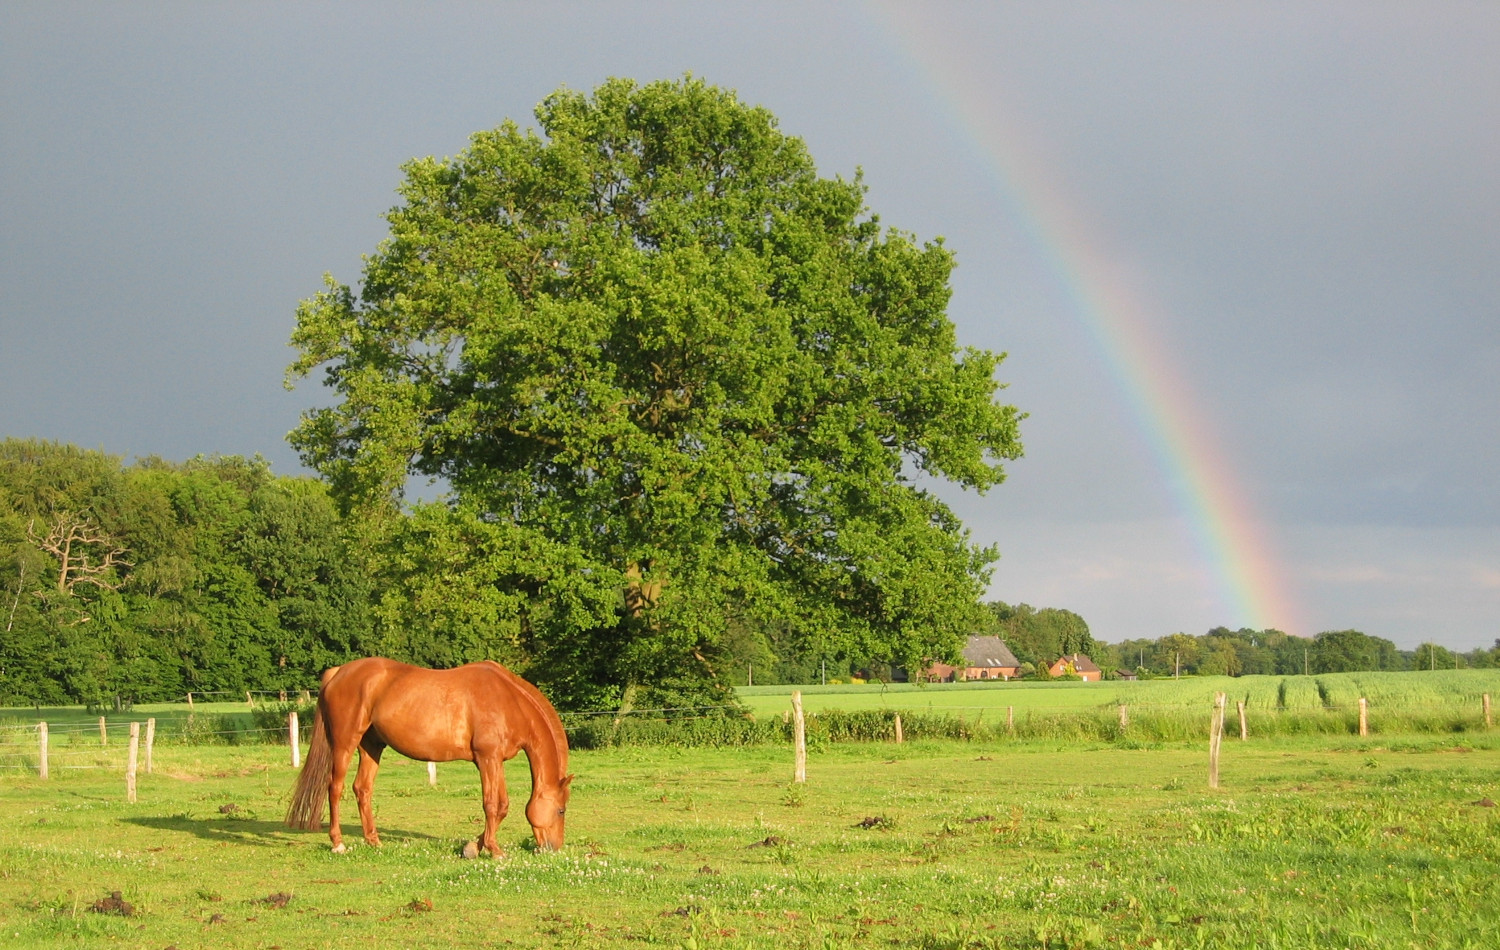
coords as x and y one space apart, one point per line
211 729
271 719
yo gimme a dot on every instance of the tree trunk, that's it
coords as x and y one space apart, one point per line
627 703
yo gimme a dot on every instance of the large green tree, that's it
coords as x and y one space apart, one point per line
651 348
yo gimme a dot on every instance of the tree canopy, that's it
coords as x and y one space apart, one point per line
1040 636
677 383
140 583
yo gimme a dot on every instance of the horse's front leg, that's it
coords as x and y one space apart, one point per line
364 785
494 798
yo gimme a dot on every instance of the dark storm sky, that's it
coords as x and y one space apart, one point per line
1307 196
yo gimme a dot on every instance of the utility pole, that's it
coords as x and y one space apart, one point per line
822 672
1177 672
1304 661
750 674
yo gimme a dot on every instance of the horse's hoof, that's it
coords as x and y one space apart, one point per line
339 848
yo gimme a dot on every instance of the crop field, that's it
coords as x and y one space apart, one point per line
1311 842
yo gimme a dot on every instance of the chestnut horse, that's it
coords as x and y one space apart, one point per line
482 713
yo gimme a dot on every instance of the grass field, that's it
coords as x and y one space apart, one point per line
1312 842
1393 692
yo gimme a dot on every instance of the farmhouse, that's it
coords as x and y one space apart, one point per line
1077 663
984 658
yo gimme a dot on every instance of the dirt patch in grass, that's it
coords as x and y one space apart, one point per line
113 904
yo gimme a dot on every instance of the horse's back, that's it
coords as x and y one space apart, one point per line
437 715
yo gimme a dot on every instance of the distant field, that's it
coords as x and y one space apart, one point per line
1405 692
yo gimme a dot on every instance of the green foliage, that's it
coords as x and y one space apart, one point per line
1245 652
1344 651
712 731
271 718
1040 636
673 378
126 584
217 729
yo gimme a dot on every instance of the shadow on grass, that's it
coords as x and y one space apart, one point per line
255 832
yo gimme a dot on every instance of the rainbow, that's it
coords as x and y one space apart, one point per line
1112 310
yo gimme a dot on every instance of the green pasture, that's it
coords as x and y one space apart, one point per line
1398 693
1311 842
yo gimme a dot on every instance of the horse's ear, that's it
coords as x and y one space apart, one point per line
567 780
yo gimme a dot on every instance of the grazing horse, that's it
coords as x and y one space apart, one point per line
482 713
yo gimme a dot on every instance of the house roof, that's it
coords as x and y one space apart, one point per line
1080 662
990 652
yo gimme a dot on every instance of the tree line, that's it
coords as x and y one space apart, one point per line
126 583
132 582
1245 652
141 581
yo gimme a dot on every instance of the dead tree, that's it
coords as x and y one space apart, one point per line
85 553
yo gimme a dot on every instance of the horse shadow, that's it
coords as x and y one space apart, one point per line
253 831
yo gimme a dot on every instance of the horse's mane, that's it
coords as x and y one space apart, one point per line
546 713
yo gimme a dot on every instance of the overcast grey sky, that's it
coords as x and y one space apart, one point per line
1302 202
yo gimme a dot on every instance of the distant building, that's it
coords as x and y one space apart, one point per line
984 658
1078 663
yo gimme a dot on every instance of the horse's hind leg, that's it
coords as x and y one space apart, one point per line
342 751
364 784
496 801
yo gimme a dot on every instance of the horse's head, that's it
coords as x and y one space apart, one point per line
546 811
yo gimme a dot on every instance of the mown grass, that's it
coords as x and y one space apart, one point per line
1312 842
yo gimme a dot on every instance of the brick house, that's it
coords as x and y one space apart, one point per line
1077 663
984 658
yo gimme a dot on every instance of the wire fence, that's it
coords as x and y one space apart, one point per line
80 744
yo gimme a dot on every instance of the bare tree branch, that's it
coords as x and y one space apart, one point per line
85 553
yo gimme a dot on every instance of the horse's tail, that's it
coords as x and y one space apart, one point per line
306 808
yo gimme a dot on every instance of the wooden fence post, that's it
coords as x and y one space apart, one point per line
431 773
1010 718
190 699
1215 739
305 696
899 737
249 701
291 731
1124 717
1487 710
1364 717
102 735
799 739
135 744
1244 727
150 741
41 732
